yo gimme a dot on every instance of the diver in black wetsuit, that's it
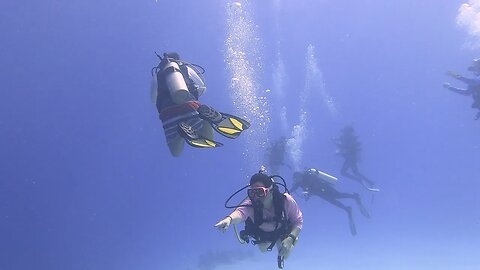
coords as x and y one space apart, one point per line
275 155
316 183
350 148
473 85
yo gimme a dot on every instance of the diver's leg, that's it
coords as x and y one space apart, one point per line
174 141
206 131
263 247
345 167
360 176
332 200
347 209
176 145
356 197
360 205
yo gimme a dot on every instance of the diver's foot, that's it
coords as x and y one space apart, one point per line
193 138
186 131
209 114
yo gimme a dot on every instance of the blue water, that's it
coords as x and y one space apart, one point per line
87 181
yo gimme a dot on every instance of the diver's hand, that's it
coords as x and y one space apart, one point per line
223 224
287 244
306 195
447 85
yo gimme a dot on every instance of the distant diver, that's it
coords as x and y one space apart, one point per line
176 88
271 217
473 85
350 148
275 155
317 183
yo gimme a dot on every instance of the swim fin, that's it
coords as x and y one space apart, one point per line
193 139
351 223
370 188
226 124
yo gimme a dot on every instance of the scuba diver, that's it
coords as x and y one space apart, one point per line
317 183
473 85
271 217
275 154
176 88
349 148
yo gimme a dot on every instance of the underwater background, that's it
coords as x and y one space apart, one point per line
87 181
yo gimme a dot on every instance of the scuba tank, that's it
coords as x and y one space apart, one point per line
323 176
175 83
154 88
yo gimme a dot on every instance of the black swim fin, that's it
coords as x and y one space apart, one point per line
226 124
351 223
193 139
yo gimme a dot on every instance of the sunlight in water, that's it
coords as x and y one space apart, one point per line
469 18
244 64
315 80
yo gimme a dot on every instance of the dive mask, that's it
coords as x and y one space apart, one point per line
257 192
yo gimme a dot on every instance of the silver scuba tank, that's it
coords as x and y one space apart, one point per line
323 176
176 83
154 88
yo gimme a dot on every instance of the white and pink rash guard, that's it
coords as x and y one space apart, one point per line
294 215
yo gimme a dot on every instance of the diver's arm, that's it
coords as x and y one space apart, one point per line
294 187
460 77
295 232
289 241
294 215
336 141
234 218
460 91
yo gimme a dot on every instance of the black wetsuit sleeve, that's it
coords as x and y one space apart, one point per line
465 80
294 187
464 92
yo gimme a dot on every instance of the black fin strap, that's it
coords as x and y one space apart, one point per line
271 245
280 262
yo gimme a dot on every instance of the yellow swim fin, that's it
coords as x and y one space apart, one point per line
193 139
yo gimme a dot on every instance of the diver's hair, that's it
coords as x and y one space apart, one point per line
266 180
278 202
257 213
